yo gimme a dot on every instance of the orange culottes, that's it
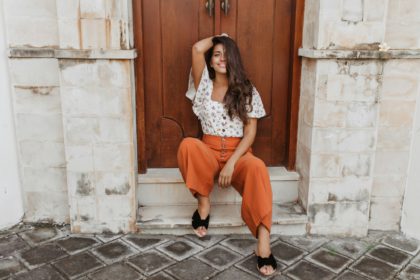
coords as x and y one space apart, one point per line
200 162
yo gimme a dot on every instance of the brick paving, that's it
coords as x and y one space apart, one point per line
42 252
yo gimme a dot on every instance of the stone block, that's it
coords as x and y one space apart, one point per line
120 271
303 160
96 101
101 73
94 33
76 244
349 189
37 100
43 272
41 235
30 9
329 114
330 9
393 10
54 209
68 33
389 186
375 10
40 154
385 213
339 218
9 266
115 130
329 260
11 244
240 244
144 242
113 157
394 139
83 210
374 268
81 183
34 72
410 272
32 32
410 10
306 270
179 249
350 247
79 158
394 113
367 68
329 140
403 35
41 254
325 165
68 9
118 34
151 262
219 257
114 183
39 127
44 179
361 114
352 10
406 244
347 88
401 67
115 208
358 165
391 162
234 273
286 253
400 87
389 255
116 9
92 9
81 131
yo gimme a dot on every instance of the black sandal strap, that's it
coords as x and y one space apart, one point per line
270 261
198 222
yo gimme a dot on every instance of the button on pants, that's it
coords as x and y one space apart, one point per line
200 162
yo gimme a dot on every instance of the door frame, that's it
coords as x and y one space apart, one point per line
294 82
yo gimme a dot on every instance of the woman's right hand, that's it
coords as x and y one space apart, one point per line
224 34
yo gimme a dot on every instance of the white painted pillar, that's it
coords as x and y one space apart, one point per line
11 206
410 220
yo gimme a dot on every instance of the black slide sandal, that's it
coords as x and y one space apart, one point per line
198 222
270 261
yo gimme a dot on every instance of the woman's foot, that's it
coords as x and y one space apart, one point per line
263 251
203 211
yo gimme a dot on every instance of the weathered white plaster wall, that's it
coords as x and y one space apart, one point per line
410 223
10 187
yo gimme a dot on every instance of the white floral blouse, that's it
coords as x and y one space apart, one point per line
213 115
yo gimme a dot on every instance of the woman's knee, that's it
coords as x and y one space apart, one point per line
188 143
256 164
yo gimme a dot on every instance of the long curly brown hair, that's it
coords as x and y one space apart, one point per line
238 97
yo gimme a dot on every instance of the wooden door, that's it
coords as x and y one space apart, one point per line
263 30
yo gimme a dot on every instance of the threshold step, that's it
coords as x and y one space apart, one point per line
288 219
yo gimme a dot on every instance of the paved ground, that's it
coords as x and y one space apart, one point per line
28 252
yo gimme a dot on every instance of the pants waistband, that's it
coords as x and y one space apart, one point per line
221 142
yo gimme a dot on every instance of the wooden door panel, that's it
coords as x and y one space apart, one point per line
170 28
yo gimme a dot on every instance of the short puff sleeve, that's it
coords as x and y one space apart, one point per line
257 106
197 96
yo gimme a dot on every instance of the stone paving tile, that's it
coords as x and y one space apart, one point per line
243 244
76 244
352 248
150 262
349 275
409 245
107 237
416 261
219 257
286 253
144 242
78 265
120 271
114 251
280 277
389 255
46 272
41 235
410 273
234 273
9 266
41 254
191 269
206 241
161 276
329 260
11 244
249 265
307 243
374 268
304 270
179 249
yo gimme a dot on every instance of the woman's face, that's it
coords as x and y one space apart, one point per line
218 59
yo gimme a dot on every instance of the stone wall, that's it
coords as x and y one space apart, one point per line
71 66
356 113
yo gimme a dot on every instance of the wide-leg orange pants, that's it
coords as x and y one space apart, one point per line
200 162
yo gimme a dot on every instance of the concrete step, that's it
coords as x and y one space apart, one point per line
288 219
165 186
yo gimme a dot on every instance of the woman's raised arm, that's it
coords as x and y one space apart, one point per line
198 60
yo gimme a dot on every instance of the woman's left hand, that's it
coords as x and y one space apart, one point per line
225 176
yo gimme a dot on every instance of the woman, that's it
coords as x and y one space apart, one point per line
228 106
